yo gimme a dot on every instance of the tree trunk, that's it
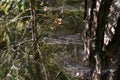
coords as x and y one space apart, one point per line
114 51
101 41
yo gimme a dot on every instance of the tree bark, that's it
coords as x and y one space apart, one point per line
114 50
97 24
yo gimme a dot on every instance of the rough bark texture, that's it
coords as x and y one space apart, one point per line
102 38
114 51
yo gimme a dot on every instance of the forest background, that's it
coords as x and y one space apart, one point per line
40 38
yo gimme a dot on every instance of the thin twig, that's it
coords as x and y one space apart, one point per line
58 75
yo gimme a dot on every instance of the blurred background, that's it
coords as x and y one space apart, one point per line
59 33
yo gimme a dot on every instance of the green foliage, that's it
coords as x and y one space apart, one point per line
74 17
16 44
73 1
